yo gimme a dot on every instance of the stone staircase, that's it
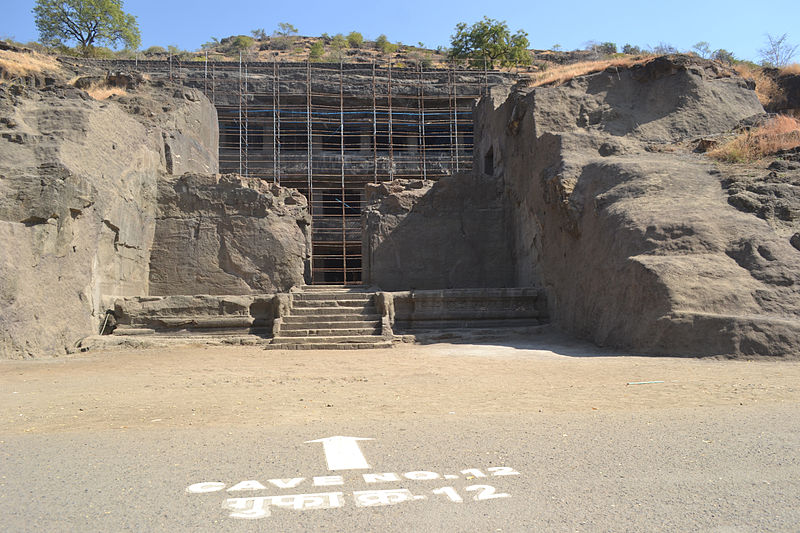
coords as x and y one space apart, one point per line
330 317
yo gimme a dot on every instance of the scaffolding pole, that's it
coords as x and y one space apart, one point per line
341 153
374 129
274 127
310 138
277 154
240 109
421 108
450 115
391 139
455 120
246 127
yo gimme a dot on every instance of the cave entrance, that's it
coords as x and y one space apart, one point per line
336 237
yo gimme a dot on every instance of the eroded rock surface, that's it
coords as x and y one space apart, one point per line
226 234
788 85
634 238
78 188
771 193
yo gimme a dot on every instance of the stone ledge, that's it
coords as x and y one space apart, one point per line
465 308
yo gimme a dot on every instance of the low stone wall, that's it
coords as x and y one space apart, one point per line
463 308
194 314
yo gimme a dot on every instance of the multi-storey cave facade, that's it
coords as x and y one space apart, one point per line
330 129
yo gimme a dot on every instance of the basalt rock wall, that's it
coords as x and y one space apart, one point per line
78 191
632 236
436 235
227 234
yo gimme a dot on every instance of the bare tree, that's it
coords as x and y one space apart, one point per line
778 52
702 49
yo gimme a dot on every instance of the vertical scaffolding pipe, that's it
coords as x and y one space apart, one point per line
374 129
214 84
485 77
240 111
455 118
421 108
205 76
278 115
310 137
246 127
170 66
274 126
341 153
391 140
450 115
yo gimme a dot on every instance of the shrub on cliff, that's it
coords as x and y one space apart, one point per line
154 51
236 43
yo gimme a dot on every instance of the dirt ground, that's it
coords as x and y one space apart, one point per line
208 386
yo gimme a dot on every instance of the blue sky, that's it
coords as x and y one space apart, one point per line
734 25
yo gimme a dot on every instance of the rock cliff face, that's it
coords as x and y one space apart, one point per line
789 88
228 235
77 214
426 235
78 189
631 235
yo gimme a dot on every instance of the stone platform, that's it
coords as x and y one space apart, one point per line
315 317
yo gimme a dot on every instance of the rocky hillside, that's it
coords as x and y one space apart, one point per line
81 208
641 242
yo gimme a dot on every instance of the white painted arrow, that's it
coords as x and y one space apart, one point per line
343 453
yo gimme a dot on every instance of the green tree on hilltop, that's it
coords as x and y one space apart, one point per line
285 29
316 51
87 22
383 45
491 41
355 39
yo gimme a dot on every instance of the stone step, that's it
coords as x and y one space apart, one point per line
352 312
192 333
329 346
337 296
331 288
332 303
324 320
324 323
327 332
329 339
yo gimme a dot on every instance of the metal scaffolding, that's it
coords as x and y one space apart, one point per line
328 129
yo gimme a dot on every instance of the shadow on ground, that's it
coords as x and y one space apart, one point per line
537 340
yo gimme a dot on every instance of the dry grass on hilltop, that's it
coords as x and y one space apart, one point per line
562 74
18 64
780 133
767 90
103 92
791 69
